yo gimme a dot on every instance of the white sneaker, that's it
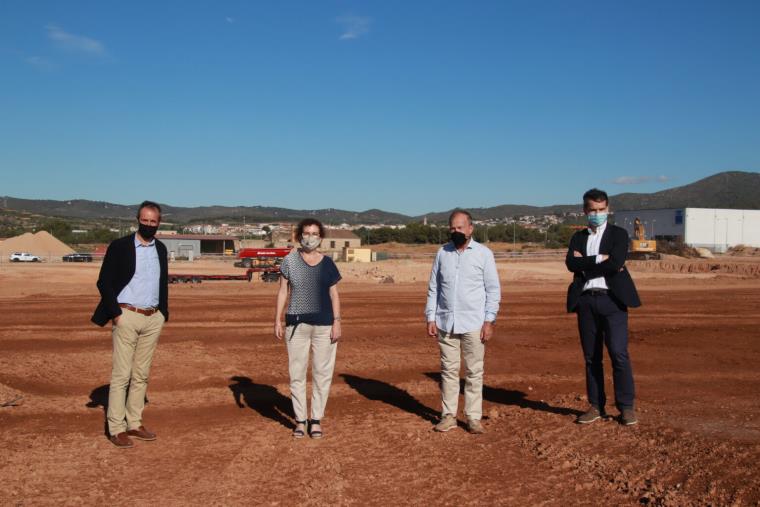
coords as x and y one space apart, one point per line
448 422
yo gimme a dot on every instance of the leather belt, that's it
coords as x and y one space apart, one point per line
595 292
142 311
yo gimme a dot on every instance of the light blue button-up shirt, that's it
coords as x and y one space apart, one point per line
464 289
142 289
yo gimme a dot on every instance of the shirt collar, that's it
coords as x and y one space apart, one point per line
599 230
470 245
138 244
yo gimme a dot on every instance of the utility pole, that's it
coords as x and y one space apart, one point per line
514 235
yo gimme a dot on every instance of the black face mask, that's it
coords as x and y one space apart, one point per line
147 231
458 238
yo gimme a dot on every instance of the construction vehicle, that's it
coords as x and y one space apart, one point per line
642 248
264 260
195 278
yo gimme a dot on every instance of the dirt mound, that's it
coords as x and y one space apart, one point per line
41 243
744 251
9 397
671 265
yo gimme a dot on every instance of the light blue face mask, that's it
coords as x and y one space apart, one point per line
597 219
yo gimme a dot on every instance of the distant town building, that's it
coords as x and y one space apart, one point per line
185 246
336 240
714 229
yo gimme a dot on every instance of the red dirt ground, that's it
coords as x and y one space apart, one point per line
218 401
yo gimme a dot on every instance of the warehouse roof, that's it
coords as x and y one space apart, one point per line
202 237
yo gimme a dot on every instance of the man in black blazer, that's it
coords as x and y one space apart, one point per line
133 285
600 294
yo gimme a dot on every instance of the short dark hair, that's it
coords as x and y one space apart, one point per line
149 204
595 195
307 222
460 212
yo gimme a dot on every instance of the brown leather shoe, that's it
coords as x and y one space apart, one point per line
122 441
142 434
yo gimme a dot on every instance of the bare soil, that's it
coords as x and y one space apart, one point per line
219 402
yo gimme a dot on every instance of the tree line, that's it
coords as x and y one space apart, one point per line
555 236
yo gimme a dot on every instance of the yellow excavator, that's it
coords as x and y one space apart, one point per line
642 248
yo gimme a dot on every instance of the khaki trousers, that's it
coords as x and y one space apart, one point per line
474 350
299 340
134 339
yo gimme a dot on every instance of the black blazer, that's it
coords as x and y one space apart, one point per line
118 269
615 244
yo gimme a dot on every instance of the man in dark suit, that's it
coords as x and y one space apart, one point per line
133 285
600 294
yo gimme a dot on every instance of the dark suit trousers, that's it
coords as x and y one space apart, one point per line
603 321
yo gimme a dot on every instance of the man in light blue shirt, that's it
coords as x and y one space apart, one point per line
134 296
462 304
142 289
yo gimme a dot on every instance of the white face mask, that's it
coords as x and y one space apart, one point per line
310 243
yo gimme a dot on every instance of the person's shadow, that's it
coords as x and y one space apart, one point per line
264 399
510 397
99 398
381 391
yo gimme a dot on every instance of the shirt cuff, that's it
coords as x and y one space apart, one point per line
490 317
599 259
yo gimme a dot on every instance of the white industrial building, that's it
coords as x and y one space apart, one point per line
714 229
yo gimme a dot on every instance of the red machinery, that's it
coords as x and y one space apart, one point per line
264 260
256 260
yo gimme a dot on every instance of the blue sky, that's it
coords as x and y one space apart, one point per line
400 105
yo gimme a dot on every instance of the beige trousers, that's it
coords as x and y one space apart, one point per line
316 338
134 339
474 350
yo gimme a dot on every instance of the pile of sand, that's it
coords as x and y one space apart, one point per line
744 251
41 243
9 397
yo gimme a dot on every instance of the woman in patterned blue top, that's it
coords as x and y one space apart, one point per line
312 321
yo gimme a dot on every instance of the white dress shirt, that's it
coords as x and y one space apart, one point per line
592 248
464 289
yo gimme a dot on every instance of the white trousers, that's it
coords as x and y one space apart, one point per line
299 341
451 346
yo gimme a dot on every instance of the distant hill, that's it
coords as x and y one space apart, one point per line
92 210
731 190
727 190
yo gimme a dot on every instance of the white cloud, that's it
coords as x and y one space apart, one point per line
40 63
73 42
638 180
354 26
